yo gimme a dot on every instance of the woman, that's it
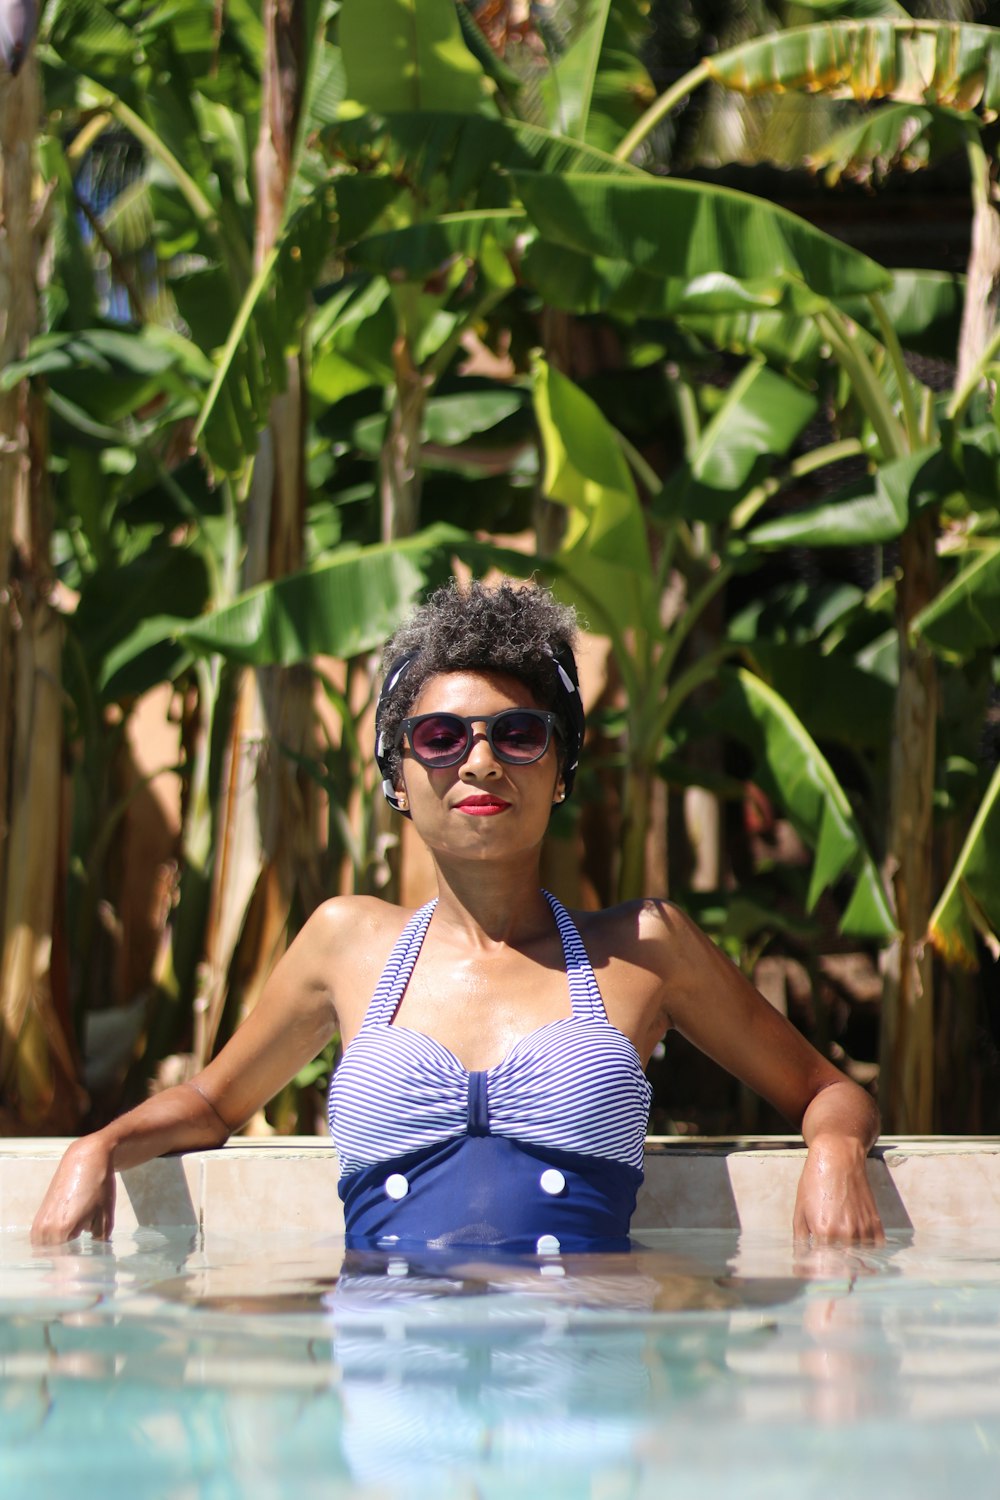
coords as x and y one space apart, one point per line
492 1089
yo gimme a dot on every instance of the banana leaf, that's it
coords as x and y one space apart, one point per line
853 10
938 63
898 135
598 87
111 625
837 700
454 418
267 328
89 37
448 421
791 768
420 251
568 86
970 902
762 414
101 382
507 82
351 339
668 227
785 340
408 54
589 284
975 452
339 607
362 202
924 307
964 617
464 158
605 549
875 509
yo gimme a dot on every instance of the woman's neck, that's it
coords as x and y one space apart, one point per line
494 905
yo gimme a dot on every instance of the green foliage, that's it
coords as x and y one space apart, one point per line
963 617
957 66
668 228
348 604
761 416
433 232
408 54
790 766
969 906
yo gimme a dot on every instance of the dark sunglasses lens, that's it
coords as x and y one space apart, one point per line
520 736
439 740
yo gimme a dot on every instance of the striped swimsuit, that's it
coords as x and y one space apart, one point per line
541 1153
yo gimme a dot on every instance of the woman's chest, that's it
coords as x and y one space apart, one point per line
480 1008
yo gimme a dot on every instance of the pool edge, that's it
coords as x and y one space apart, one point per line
748 1183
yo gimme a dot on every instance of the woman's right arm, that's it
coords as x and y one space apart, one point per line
293 1020
81 1195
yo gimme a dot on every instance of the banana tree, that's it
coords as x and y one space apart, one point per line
934 74
123 401
37 1056
606 565
523 194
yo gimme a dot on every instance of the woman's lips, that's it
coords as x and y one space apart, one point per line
483 807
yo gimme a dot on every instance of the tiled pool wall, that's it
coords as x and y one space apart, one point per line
290 1183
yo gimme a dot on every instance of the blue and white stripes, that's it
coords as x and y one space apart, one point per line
575 1084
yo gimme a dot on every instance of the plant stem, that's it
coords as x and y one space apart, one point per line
660 108
967 390
807 463
867 386
644 470
199 204
890 338
689 620
700 672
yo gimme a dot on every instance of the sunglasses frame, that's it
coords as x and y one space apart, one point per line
488 721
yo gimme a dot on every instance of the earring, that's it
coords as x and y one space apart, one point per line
559 797
401 800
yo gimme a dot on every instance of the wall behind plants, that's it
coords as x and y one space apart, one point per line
325 320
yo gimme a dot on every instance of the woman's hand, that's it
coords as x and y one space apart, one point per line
81 1196
834 1204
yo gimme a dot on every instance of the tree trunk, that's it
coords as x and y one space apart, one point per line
906 1075
267 829
636 804
399 467
38 1071
979 310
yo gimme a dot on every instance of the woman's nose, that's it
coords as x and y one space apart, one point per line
480 759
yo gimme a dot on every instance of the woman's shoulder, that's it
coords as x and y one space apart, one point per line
343 948
356 922
647 920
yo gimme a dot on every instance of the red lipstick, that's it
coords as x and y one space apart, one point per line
482 806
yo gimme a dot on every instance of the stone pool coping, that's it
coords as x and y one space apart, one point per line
748 1183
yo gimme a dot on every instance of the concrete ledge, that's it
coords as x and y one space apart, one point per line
290 1183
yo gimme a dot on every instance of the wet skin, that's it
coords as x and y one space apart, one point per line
493 943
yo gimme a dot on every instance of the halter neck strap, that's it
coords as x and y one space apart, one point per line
584 994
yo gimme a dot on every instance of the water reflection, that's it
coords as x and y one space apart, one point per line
214 1368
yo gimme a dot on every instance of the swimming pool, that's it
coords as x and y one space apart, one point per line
711 1363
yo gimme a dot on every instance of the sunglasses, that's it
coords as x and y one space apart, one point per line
518 736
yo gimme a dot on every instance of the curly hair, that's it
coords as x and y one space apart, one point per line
474 628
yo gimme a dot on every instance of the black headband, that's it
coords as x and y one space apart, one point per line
570 703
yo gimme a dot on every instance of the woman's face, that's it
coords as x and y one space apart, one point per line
482 806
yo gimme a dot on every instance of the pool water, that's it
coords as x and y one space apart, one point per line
704 1365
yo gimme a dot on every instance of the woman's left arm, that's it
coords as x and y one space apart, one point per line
717 1008
834 1201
